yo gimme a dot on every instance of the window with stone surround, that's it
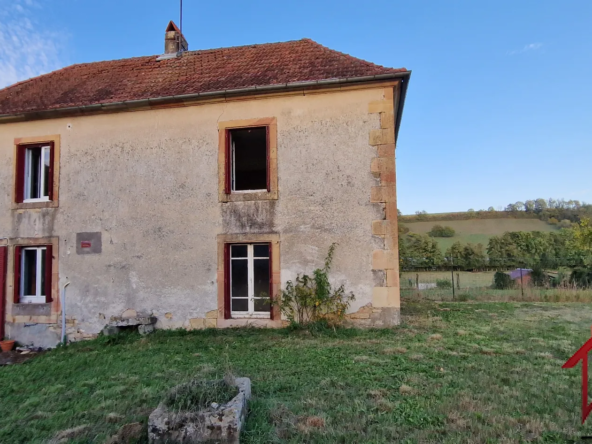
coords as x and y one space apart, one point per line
32 274
36 172
247 160
250 280
248 276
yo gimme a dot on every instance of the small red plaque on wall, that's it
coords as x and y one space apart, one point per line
85 244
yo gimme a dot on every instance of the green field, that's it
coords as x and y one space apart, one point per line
451 373
479 230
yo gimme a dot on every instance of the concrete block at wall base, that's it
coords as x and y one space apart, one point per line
197 324
110 330
145 329
36 335
385 297
379 318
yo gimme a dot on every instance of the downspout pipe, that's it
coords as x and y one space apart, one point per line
63 341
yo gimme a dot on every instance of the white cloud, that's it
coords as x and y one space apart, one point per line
27 49
526 48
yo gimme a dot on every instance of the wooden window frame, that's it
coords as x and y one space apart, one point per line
21 145
13 309
3 282
250 313
225 194
224 243
42 251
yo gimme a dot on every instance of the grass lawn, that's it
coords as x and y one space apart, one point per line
453 372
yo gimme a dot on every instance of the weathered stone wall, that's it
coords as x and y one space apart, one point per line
148 182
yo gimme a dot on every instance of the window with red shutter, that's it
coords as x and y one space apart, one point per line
32 274
48 273
226 281
17 274
34 173
3 259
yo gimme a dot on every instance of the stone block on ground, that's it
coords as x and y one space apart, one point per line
145 329
110 330
219 423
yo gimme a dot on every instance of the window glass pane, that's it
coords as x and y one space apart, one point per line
46 172
262 305
261 278
250 158
261 250
238 274
238 251
29 273
34 172
240 305
42 272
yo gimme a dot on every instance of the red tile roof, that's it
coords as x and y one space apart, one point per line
194 72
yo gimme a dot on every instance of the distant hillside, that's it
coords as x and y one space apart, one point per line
477 230
465 215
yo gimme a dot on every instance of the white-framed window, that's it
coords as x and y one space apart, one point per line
32 271
250 280
37 174
249 165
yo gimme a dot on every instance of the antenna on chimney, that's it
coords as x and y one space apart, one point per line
181 17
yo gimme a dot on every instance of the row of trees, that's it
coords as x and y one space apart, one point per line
560 212
567 247
555 211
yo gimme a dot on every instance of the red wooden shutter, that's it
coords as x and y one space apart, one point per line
20 174
3 258
267 150
226 281
51 161
48 266
227 163
271 307
17 274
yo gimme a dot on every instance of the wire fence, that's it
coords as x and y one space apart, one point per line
514 280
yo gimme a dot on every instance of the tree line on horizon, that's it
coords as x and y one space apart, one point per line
567 247
554 211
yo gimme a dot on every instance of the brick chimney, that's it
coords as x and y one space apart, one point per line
174 41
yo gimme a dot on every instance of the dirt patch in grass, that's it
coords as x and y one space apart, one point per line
394 350
16 357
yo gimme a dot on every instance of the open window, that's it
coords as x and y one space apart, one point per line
247 159
249 286
35 173
32 274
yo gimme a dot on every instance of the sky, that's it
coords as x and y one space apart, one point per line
499 107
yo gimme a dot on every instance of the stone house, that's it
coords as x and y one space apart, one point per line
188 185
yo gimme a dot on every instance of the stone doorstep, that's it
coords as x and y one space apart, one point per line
222 424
